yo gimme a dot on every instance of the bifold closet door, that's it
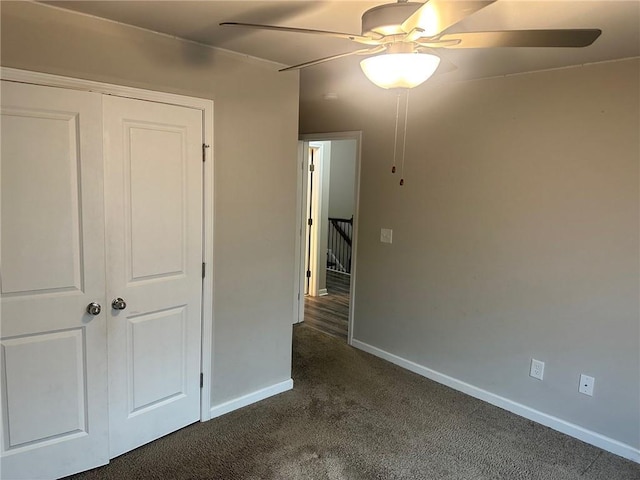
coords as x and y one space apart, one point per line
54 351
153 200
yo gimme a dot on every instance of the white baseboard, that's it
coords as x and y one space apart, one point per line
250 398
322 292
576 431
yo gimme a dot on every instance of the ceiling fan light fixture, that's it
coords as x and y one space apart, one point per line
400 70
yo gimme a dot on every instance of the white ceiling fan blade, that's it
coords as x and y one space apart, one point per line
522 38
363 51
435 16
348 36
451 42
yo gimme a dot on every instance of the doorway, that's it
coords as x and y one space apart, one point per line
328 186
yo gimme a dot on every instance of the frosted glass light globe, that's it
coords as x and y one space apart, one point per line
400 70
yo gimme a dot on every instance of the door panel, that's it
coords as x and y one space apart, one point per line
154 257
50 247
42 357
53 362
156 159
157 345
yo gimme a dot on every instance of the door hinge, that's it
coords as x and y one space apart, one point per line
204 151
312 167
201 380
310 222
308 273
203 269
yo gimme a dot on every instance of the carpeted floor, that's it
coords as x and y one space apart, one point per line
352 416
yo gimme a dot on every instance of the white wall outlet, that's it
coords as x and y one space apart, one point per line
537 369
386 235
586 384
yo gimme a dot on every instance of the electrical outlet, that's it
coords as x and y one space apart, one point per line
586 384
386 235
537 369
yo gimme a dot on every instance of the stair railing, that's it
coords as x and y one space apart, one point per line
339 244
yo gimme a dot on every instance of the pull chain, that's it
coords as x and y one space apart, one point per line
395 139
404 139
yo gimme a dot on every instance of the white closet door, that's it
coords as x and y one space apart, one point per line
153 198
54 359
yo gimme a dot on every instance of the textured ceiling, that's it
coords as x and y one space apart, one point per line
198 21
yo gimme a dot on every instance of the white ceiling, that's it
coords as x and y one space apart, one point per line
198 21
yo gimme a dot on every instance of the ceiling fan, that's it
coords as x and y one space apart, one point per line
401 37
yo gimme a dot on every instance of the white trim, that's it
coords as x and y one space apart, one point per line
36 78
323 292
250 398
300 233
317 259
208 256
357 136
571 429
50 80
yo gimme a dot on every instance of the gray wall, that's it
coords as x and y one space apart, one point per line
255 110
343 176
515 236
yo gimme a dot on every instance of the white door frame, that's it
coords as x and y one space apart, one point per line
206 106
303 205
298 269
317 258
305 139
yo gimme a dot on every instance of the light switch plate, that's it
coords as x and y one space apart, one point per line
386 235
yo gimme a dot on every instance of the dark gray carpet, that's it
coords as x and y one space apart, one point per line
352 416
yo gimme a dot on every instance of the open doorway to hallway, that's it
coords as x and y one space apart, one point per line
330 313
328 203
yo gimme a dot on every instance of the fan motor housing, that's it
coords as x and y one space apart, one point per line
387 19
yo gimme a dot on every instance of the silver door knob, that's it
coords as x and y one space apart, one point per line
94 308
118 304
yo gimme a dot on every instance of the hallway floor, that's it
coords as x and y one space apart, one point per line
330 313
